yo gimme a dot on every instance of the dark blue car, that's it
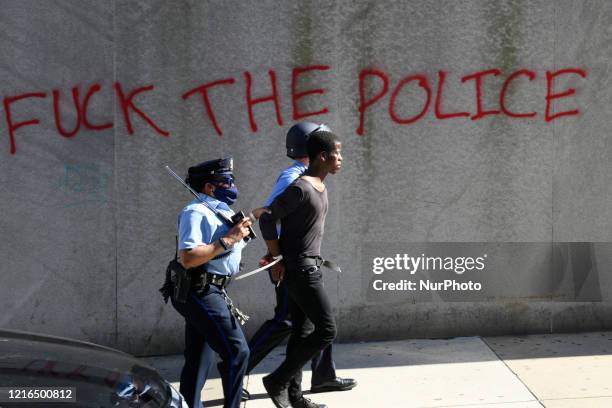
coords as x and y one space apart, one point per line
46 371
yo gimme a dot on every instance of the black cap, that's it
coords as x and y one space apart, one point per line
212 170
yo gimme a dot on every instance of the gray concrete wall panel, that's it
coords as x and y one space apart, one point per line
583 194
58 225
100 211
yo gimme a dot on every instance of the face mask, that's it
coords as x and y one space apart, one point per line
227 195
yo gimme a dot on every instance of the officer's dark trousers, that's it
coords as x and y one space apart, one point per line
210 325
309 303
275 330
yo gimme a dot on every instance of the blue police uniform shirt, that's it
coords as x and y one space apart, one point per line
198 225
284 180
287 176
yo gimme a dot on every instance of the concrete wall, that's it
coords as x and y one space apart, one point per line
88 220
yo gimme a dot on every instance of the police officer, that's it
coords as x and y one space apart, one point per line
275 330
210 251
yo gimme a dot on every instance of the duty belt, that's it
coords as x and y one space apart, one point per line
201 278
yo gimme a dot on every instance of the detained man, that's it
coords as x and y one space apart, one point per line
302 209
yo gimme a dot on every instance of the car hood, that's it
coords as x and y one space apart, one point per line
100 375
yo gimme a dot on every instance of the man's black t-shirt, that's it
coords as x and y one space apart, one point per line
301 208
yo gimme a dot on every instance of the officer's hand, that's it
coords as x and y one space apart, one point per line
258 212
277 272
240 230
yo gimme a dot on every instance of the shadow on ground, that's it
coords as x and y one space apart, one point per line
435 351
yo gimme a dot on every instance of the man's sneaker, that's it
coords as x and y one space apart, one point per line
337 384
304 402
277 392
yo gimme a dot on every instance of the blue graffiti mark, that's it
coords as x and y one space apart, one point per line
87 183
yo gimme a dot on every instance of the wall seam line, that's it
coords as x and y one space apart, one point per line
552 201
114 4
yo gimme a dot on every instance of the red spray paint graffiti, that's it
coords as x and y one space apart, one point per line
369 76
296 96
373 86
12 127
81 110
502 95
203 91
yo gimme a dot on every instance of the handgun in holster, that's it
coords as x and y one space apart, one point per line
178 280
177 283
181 281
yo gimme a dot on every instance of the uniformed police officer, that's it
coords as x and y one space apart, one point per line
210 251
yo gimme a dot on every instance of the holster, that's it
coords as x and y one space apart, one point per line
181 281
167 288
178 280
177 283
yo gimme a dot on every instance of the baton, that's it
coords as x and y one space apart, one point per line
263 268
328 264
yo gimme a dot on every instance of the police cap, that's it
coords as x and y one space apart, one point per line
212 170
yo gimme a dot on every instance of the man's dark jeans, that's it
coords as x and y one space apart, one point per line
277 329
309 303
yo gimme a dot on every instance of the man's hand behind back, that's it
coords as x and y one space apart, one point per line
277 272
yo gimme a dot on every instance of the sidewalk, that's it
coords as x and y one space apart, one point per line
553 371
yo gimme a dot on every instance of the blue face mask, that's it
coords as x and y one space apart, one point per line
227 195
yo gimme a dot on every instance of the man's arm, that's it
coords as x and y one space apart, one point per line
277 272
283 205
284 180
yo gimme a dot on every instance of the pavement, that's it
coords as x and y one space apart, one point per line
531 371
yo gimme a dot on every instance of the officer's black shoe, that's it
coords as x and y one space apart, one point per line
277 392
245 395
337 384
304 402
